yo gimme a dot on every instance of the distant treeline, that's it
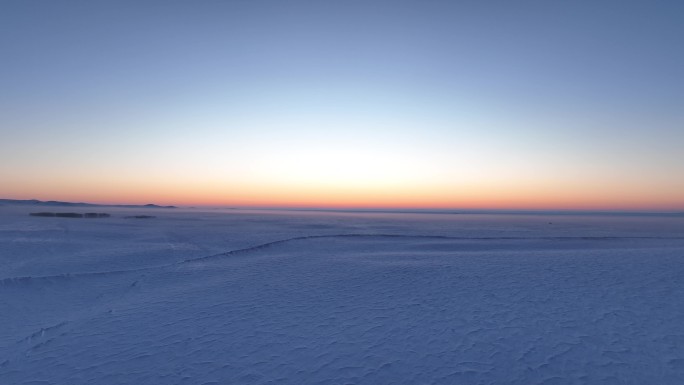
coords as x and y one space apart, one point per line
86 215
71 215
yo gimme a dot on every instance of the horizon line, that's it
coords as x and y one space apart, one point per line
378 209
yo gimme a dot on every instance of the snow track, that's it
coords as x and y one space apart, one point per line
28 279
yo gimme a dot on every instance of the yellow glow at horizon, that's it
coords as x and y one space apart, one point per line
340 167
298 169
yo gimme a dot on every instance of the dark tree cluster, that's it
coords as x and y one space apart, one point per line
70 215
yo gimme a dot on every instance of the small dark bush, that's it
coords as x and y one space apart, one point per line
96 215
43 214
69 215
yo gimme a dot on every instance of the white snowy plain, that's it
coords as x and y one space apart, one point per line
272 297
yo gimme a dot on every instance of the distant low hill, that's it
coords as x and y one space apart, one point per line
36 202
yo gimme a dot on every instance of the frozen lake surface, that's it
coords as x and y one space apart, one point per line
269 297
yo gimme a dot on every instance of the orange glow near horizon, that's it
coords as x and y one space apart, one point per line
351 175
453 196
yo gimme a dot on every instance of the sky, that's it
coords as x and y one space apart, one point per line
421 104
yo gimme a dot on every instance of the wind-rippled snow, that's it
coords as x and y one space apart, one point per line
258 297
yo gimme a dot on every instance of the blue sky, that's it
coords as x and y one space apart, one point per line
454 103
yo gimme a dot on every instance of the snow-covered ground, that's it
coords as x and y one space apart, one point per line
267 297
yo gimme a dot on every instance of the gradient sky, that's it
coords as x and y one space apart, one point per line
454 104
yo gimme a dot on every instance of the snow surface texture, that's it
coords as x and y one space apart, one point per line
255 297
